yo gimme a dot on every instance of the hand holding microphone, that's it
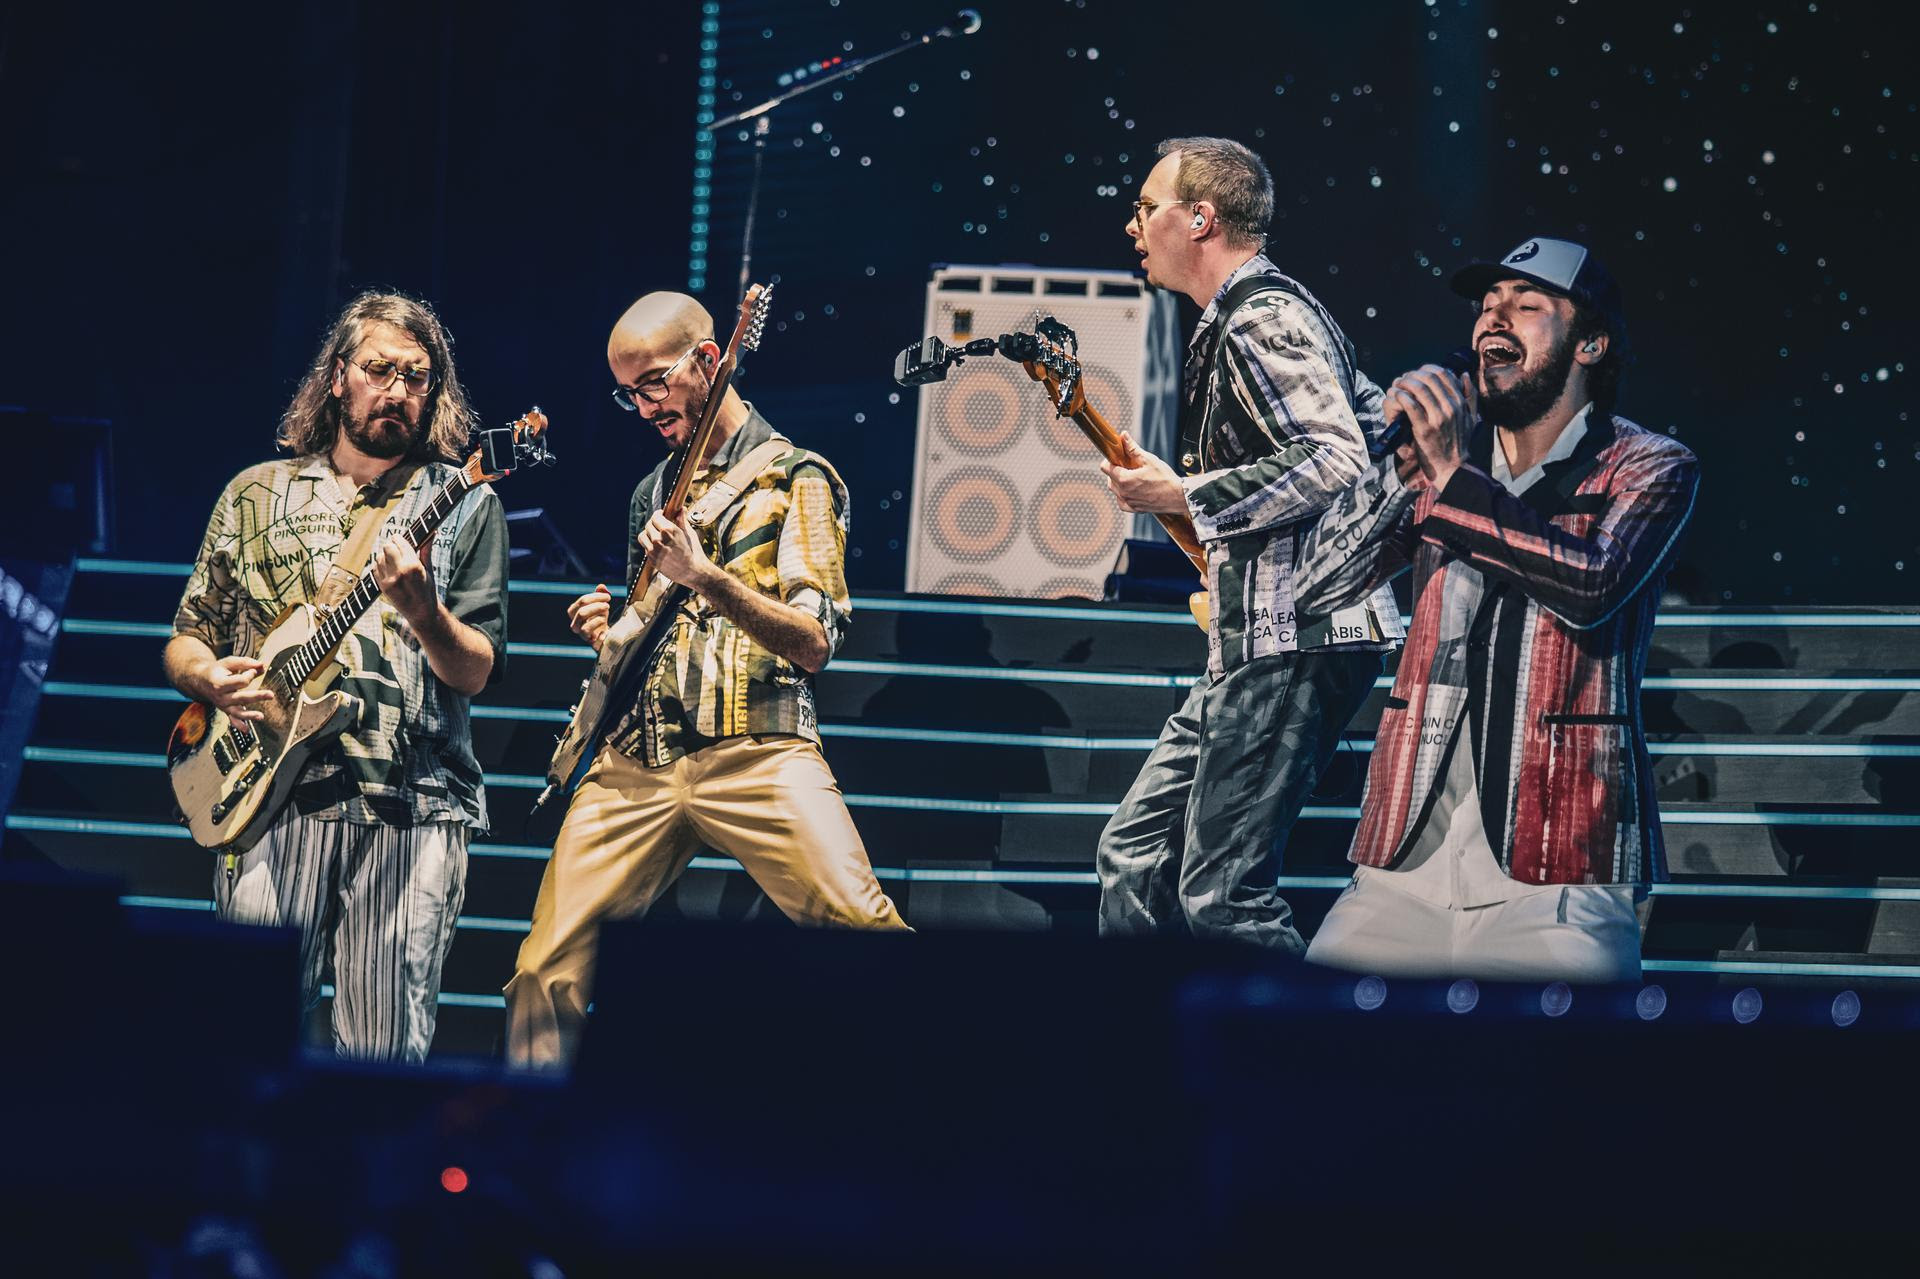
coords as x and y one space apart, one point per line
1433 409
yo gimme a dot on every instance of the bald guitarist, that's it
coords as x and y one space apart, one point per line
716 744
1277 421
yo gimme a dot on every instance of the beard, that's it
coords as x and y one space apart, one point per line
690 417
1527 400
382 439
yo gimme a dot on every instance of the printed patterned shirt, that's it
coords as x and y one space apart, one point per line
785 537
1289 423
272 539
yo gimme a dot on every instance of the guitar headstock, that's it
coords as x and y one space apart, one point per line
1057 364
501 451
755 307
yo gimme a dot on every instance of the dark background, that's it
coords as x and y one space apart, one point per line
188 197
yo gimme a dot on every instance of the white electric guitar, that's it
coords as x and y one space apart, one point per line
231 777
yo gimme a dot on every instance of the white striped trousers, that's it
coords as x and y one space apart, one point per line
377 903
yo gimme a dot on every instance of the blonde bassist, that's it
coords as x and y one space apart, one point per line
1276 421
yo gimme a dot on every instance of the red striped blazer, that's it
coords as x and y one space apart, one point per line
1532 617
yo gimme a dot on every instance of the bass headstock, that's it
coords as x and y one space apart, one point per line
501 451
1056 362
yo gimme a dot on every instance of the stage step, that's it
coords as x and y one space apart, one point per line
982 744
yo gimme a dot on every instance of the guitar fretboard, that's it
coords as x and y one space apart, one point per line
310 656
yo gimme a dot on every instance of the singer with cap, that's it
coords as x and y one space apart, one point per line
1509 821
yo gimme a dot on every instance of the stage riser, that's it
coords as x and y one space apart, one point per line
909 765
500 894
1825 820
927 838
1090 636
1009 702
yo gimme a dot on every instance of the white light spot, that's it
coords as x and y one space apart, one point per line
1093 55
1671 184
1453 126
898 112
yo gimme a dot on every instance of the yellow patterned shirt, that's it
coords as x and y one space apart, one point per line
785 536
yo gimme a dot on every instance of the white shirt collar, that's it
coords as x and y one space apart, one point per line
1570 437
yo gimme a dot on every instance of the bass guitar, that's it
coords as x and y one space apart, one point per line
1051 356
639 627
230 778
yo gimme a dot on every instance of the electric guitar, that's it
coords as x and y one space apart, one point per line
230 777
1056 365
638 629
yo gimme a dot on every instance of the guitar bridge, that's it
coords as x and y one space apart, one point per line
240 788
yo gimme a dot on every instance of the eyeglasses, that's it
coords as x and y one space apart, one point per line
653 390
1143 209
380 375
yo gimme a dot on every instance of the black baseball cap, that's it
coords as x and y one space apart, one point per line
1560 265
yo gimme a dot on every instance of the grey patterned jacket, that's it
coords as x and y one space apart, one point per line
1284 422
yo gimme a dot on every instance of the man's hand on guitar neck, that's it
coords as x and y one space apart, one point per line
587 616
459 656
1144 484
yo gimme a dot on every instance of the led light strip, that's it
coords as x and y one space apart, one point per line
1068 741
703 105
944 875
1170 616
1730 966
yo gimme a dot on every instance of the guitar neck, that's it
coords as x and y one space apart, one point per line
333 628
1107 440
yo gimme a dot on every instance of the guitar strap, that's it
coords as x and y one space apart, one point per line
715 501
358 548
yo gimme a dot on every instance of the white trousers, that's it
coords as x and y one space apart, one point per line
1577 933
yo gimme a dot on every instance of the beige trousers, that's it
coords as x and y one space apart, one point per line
771 803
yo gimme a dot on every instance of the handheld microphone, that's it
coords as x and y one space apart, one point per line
1398 430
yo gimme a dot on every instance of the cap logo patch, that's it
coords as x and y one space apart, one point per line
1528 250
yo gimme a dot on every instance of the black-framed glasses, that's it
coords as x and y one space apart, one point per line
653 390
1143 209
380 374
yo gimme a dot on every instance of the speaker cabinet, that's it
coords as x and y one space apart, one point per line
1007 495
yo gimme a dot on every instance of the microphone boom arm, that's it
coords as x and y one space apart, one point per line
852 68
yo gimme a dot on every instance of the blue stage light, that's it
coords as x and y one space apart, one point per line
1369 993
1463 996
1650 1002
1556 999
1747 1005
1846 1008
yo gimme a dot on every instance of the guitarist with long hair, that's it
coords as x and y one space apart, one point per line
369 858
715 742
